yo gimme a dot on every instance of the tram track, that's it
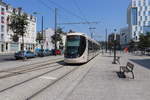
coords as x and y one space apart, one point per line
29 65
52 83
18 71
30 79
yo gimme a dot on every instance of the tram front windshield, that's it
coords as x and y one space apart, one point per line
75 46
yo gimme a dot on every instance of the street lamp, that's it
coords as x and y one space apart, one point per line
114 60
42 32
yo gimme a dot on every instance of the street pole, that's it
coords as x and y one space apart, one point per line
106 40
55 29
42 44
114 60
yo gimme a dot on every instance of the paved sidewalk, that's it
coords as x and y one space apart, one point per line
103 83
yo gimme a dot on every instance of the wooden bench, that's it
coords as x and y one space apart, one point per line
128 68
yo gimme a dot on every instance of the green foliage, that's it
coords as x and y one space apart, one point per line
59 31
144 41
58 38
18 25
39 37
71 31
15 38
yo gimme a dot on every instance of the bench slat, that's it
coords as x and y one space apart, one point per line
128 68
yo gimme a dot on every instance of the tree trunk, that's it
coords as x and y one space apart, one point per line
22 48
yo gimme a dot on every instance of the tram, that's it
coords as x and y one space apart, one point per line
80 48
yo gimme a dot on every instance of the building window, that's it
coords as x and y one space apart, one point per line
139 13
2 11
139 3
2 48
2 36
144 13
136 28
134 16
2 19
141 28
148 13
134 33
2 28
146 18
6 46
148 23
136 38
139 22
134 3
141 18
145 7
144 23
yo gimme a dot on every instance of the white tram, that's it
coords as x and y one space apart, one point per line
80 48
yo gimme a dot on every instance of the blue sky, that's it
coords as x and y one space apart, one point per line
111 13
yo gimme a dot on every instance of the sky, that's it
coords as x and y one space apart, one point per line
111 14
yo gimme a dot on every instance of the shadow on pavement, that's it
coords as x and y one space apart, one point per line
67 64
121 74
7 59
143 62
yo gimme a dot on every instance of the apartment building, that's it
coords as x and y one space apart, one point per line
138 20
47 41
3 29
6 43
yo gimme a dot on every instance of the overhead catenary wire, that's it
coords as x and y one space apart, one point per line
43 3
77 6
83 18
66 10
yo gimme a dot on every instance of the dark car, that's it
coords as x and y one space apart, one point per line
47 52
24 54
40 53
147 50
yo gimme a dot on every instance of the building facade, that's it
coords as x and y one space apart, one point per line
138 20
6 43
3 25
47 41
125 37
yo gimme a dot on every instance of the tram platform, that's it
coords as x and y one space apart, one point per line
102 82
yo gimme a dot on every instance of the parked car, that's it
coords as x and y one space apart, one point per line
24 54
57 52
147 50
47 52
52 51
40 53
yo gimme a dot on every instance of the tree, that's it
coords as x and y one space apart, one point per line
58 37
39 37
144 41
18 24
71 31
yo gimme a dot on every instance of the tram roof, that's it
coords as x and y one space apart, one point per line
83 34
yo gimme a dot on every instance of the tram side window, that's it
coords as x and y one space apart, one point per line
89 45
82 45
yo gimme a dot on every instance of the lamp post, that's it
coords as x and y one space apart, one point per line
114 60
42 44
42 31
55 30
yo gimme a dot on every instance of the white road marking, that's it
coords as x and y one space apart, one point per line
48 77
